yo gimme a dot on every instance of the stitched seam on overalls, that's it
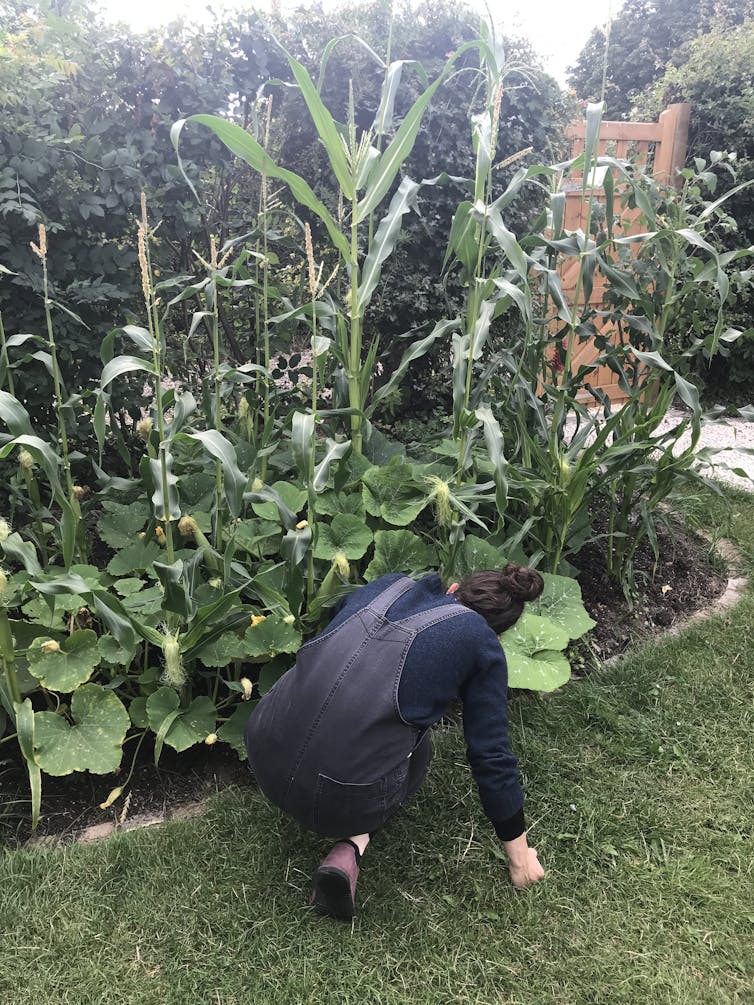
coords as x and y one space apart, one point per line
336 684
328 635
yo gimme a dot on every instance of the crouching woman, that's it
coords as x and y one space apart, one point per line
343 738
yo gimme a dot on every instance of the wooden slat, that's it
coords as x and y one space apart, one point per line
610 130
666 142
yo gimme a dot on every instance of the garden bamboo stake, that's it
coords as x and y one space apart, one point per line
264 265
213 287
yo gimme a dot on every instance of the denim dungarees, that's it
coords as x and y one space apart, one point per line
327 744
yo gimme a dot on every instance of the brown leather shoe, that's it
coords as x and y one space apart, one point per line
335 881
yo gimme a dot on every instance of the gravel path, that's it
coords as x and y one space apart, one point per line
730 436
733 436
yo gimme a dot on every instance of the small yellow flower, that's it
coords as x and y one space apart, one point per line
289 619
51 646
301 524
25 460
216 583
211 739
247 687
114 794
5 530
257 485
142 534
257 619
80 492
160 533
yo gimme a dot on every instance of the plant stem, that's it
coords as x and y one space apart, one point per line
153 322
218 521
7 656
354 360
310 512
6 362
62 432
265 301
33 490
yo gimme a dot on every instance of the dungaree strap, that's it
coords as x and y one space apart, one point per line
389 595
424 619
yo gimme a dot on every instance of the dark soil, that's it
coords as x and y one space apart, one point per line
71 803
683 581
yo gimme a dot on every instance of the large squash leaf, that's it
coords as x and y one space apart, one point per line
476 555
270 637
232 730
347 534
120 523
93 743
69 665
389 493
187 726
399 551
293 497
561 603
533 650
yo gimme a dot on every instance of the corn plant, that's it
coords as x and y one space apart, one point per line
365 175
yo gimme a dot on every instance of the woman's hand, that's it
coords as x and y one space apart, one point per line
523 863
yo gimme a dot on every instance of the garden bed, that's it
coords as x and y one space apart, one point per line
686 580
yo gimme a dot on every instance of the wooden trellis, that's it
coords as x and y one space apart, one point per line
661 146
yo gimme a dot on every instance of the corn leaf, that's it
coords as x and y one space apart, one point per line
248 149
325 126
123 364
385 239
396 153
417 350
593 124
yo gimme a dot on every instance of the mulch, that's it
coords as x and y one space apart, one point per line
670 590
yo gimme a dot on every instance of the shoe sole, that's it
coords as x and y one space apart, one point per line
332 893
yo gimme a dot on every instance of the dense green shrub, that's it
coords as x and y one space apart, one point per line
716 80
91 108
647 37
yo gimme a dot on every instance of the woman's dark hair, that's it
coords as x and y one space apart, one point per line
499 595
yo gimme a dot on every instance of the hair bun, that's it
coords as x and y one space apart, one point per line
521 582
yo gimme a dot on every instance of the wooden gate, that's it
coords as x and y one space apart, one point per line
661 146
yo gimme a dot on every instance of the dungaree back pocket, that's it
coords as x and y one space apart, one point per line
345 808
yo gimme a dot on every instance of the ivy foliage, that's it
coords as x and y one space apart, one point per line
716 80
91 106
647 37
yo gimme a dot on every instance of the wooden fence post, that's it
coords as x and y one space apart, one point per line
671 156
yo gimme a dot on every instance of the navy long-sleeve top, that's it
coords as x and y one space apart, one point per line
461 658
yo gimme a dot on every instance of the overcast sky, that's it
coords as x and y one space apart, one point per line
557 29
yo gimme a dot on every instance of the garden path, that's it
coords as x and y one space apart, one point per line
733 436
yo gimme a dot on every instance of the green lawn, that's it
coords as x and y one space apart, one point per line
640 801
